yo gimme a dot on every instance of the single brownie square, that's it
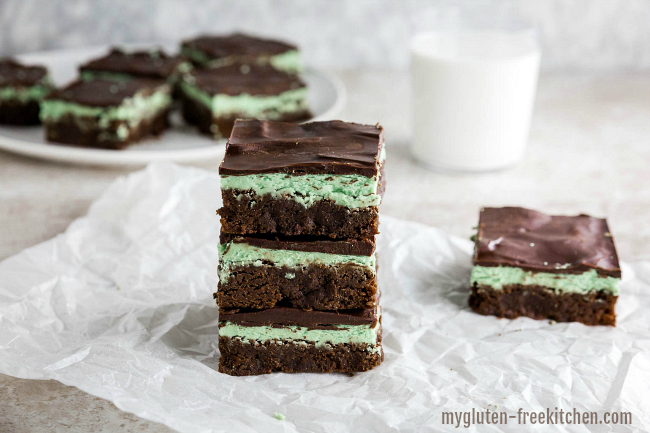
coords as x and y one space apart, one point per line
22 88
106 114
119 65
213 99
291 340
264 272
563 268
315 179
238 49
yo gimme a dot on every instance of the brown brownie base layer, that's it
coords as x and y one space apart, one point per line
244 212
199 115
538 302
246 359
196 114
317 287
19 113
86 133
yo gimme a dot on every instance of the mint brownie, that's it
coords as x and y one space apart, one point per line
106 114
563 268
119 65
22 88
238 49
291 340
259 272
213 99
315 179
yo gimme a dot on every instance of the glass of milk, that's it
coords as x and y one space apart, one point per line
473 95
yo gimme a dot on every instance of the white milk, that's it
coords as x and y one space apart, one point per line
473 97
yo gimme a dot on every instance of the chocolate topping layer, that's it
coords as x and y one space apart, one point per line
364 247
523 238
13 73
103 93
282 316
238 44
332 147
237 79
150 64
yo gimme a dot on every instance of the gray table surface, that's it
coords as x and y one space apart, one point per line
589 153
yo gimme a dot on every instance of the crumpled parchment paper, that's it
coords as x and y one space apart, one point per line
120 306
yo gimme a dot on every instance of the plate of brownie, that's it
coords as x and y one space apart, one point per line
137 104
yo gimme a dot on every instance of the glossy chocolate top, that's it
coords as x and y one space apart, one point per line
523 238
332 147
234 80
282 316
238 44
13 73
149 64
364 247
104 93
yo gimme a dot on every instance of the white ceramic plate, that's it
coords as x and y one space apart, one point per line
181 144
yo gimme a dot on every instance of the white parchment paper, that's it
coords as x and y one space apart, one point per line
120 306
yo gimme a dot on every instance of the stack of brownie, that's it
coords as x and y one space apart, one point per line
123 96
239 76
297 267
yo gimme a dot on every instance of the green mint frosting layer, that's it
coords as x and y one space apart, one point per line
349 190
195 55
266 107
25 94
234 254
343 334
288 61
132 110
587 282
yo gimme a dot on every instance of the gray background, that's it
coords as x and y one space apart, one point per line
577 35
582 123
